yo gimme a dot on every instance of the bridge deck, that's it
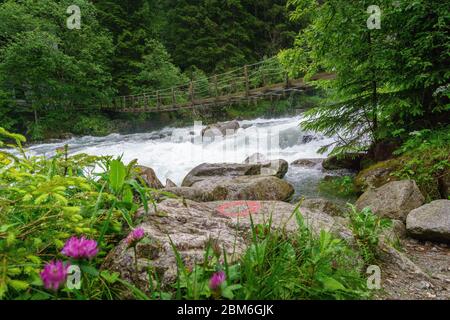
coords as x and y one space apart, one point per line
269 91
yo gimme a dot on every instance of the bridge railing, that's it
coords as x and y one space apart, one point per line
236 83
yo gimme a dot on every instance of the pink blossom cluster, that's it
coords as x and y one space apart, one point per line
54 275
135 236
217 279
80 248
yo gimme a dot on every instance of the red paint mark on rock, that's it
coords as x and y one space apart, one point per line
239 208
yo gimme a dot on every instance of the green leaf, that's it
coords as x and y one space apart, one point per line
18 284
331 284
89 270
110 277
117 173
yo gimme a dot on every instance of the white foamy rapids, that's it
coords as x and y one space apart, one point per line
173 152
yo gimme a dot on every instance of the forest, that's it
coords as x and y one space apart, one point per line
360 180
124 48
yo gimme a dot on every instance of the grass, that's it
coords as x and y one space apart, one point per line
278 265
342 188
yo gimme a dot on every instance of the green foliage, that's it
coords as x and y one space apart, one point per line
217 35
425 158
155 71
343 187
43 202
277 265
367 228
385 78
47 66
95 125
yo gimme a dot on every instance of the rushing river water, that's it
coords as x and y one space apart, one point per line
173 152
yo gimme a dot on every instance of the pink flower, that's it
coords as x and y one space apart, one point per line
80 248
54 275
217 279
134 236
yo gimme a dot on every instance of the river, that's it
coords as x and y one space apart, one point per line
173 152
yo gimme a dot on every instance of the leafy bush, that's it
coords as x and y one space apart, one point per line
94 125
425 158
43 202
342 187
367 228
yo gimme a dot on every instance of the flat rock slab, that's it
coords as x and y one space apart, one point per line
191 226
208 170
246 188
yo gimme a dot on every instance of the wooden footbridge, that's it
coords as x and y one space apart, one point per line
263 80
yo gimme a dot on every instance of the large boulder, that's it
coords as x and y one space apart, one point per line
430 222
170 183
277 168
191 227
209 170
149 176
280 215
256 158
393 200
377 175
220 129
245 188
350 161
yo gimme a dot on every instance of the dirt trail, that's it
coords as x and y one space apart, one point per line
429 279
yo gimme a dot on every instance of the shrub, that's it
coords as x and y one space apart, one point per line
94 125
425 157
367 228
341 187
44 202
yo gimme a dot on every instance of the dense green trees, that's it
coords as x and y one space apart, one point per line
387 79
47 65
216 34
123 47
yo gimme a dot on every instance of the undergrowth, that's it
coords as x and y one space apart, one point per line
425 158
